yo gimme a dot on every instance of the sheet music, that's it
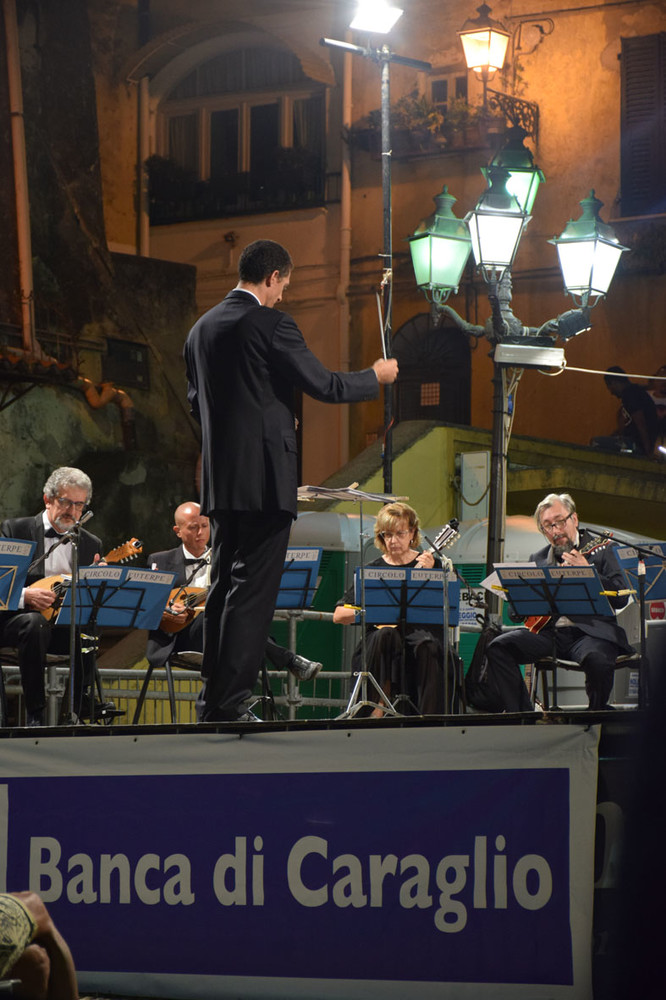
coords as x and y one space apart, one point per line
343 493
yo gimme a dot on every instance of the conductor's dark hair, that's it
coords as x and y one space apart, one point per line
261 258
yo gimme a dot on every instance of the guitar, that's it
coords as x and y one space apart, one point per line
59 584
536 622
445 537
193 600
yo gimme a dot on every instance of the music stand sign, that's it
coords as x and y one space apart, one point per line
118 597
15 558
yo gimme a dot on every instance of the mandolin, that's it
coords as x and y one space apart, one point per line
192 599
536 622
59 584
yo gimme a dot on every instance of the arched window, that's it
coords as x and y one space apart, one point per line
242 132
435 372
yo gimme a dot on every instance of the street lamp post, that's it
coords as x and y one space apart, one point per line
589 252
378 17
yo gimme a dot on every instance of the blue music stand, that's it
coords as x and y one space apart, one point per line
644 567
299 578
553 590
653 556
15 558
415 596
118 597
298 585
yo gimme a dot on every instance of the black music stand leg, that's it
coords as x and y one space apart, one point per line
142 694
172 692
644 668
266 699
3 700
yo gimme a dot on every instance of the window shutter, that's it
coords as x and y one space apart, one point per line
643 141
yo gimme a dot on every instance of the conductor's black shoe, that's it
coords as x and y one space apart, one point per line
102 711
34 719
302 669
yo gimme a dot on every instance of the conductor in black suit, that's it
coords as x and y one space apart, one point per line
593 641
67 493
244 360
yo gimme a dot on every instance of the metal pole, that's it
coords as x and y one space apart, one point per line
503 321
387 280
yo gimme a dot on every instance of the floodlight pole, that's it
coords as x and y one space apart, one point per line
384 57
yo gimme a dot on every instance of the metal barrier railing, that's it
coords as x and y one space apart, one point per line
123 687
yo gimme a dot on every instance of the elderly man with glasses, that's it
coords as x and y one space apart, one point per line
593 641
67 493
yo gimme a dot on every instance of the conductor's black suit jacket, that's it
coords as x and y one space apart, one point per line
244 362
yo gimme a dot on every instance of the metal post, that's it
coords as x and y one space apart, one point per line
387 280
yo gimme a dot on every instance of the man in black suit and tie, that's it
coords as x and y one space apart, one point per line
593 641
244 360
67 493
190 561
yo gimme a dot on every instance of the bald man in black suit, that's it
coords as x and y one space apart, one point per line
244 361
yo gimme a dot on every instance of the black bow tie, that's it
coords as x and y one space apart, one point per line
194 562
51 533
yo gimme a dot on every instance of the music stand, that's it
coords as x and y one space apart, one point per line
297 590
114 597
552 591
118 597
352 494
15 558
299 578
644 567
398 596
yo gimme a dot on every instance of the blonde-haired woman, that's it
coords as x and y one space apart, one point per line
398 538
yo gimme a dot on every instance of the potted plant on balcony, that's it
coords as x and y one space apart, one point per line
416 125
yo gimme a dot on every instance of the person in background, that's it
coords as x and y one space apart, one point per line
638 421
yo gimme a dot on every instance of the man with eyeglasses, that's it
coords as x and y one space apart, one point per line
67 493
593 641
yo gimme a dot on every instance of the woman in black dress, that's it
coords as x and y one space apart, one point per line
420 678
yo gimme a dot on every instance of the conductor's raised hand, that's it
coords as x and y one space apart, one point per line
386 370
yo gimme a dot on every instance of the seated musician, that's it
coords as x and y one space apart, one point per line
182 623
67 493
397 537
592 641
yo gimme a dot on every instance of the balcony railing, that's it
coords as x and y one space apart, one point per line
278 190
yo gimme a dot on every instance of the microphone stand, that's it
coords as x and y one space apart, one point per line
71 535
643 553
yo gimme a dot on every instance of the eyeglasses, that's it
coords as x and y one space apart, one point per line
550 526
76 504
387 535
